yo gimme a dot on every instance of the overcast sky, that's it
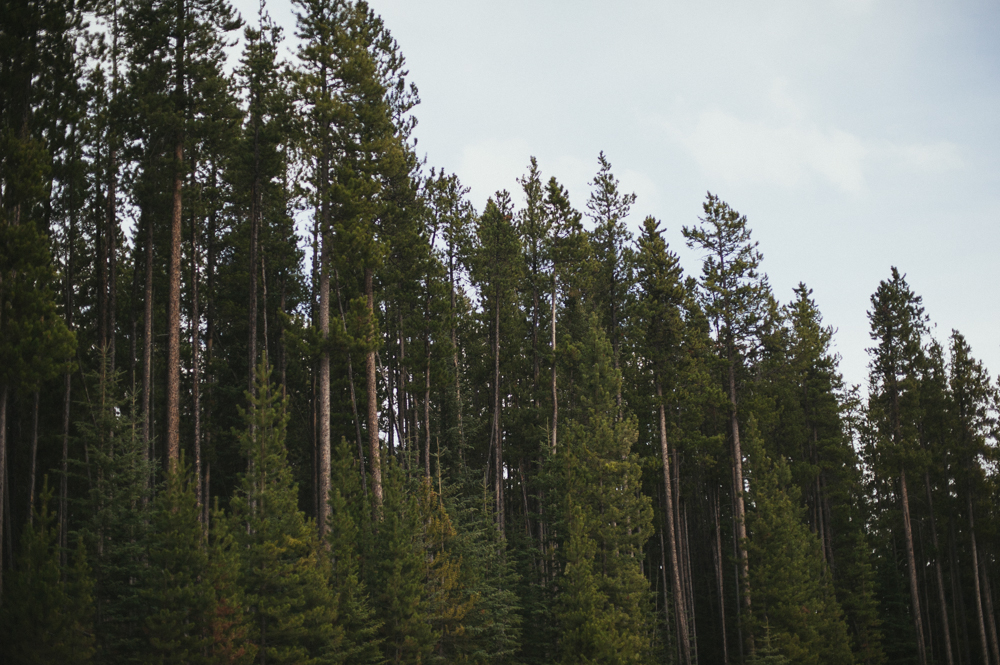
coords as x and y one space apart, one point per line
854 134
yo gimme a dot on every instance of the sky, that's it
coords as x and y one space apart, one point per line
855 135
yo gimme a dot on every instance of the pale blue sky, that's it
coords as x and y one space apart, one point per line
854 134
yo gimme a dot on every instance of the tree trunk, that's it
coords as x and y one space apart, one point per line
719 586
174 270
147 345
555 393
991 626
940 576
350 383
740 518
34 459
373 442
675 574
976 583
3 472
458 376
912 565
498 447
323 423
195 361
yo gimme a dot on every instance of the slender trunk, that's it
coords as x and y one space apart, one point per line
34 459
373 443
912 565
350 383
147 345
940 576
458 376
675 574
686 579
174 271
498 447
64 468
717 561
427 403
991 625
323 423
740 518
976 583
263 310
555 393
255 214
3 472
195 361
112 242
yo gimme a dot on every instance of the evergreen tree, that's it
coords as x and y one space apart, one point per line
284 571
47 613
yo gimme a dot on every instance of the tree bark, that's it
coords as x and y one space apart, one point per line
555 392
174 270
195 361
147 345
497 439
940 576
373 442
976 583
675 574
323 423
34 459
991 626
3 472
912 565
740 518
717 561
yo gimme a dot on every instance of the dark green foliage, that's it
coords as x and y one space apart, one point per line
284 571
47 615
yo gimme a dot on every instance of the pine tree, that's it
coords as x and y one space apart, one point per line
284 571
794 595
47 613
603 594
898 324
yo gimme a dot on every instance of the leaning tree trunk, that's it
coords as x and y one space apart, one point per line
350 383
675 574
323 423
912 565
555 393
940 575
195 362
976 583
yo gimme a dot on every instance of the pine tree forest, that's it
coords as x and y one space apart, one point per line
275 390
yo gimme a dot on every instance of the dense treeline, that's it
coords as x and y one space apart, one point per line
271 390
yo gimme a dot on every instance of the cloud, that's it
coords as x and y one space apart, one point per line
491 165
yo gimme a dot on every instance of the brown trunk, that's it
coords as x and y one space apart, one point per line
675 573
373 444
940 576
991 626
918 623
34 459
717 561
498 444
147 345
555 393
350 383
976 583
3 472
174 270
64 468
112 242
740 518
323 423
458 377
195 360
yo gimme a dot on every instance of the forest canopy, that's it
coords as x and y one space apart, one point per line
274 390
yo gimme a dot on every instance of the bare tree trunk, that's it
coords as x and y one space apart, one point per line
940 575
350 382
34 459
147 345
324 386
195 361
977 586
427 403
3 472
675 574
912 564
374 452
174 270
555 393
64 469
740 518
991 625
717 561
498 443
